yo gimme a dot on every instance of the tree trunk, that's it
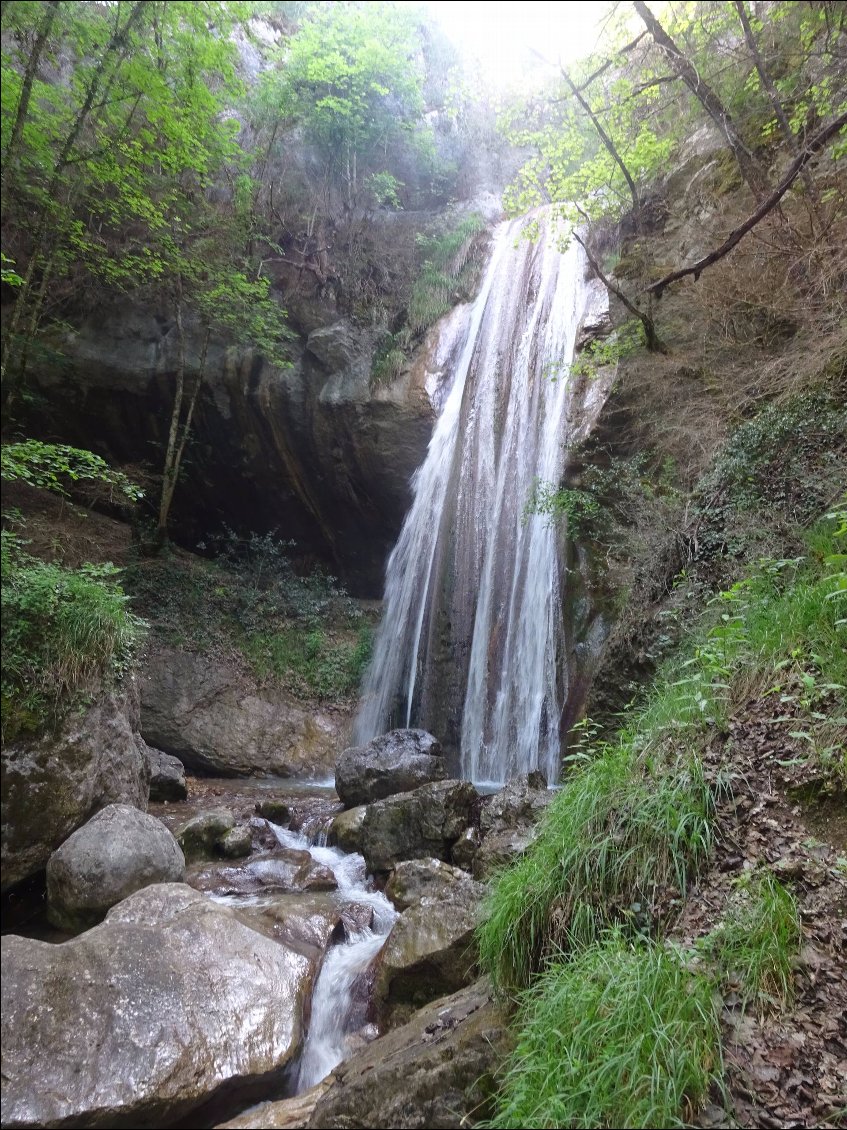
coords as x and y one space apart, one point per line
752 172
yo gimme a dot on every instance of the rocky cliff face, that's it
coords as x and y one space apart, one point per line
315 452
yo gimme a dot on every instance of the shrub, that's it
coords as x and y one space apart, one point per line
64 632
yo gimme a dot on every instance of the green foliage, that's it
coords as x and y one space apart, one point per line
8 274
47 465
621 830
607 351
65 632
447 273
757 941
622 1035
352 77
310 663
578 507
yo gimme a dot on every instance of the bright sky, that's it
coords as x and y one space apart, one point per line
503 34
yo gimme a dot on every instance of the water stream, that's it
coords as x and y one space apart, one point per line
471 638
334 998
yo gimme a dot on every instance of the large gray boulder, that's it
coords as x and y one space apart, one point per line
119 851
219 720
430 952
396 762
167 776
413 880
167 1003
435 1071
51 785
417 825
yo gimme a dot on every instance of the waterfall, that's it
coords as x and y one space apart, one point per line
471 632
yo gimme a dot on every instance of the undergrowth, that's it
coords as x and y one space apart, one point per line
622 1035
757 941
65 632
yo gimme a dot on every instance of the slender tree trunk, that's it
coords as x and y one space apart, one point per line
752 172
116 50
771 91
50 10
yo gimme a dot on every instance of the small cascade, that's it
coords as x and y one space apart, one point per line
334 1001
470 642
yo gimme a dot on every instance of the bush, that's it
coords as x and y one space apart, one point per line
65 631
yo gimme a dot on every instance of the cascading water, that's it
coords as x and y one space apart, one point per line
333 1003
471 633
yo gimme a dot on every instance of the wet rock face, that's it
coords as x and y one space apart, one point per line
218 721
420 824
119 851
434 1071
396 762
177 997
53 784
312 450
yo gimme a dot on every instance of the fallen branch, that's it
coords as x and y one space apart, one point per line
654 342
813 146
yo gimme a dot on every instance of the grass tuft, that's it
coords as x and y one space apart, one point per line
620 831
622 1035
757 941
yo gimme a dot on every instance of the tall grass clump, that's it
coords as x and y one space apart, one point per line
757 941
622 829
447 265
64 632
622 1035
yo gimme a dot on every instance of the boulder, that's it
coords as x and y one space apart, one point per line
396 762
219 720
346 829
51 785
430 952
169 1002
416 825
435 1071
201 836
508 822
167 776
119 851
282 871
277 811
415 879
237 842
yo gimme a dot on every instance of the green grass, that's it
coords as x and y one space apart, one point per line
621 830
757 941
622 1035
64 632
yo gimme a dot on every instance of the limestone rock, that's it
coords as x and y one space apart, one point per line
53 784
287 1114
346 829
415 879
219 721
430 952
119 851
142 1019
435 1071
396 762
201 836
167 776
420 824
